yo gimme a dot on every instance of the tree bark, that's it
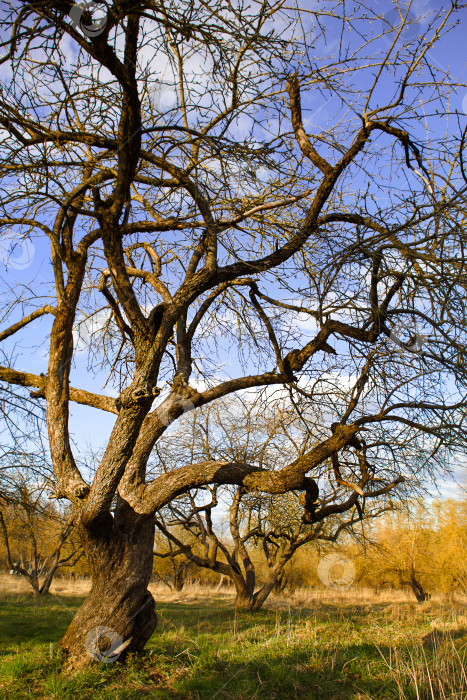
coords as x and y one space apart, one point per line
245 599
417 590
416 587
281 582
118 616
180 576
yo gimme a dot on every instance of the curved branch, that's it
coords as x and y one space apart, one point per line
47 309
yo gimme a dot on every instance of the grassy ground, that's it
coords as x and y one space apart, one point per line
336 646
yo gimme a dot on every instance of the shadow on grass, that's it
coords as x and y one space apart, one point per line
291 675
209 651
27 620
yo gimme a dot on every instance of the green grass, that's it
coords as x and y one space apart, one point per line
206 650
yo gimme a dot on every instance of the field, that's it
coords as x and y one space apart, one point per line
315 644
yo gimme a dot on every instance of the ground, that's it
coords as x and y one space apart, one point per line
319 645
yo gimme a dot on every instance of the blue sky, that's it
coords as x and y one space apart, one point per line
28 265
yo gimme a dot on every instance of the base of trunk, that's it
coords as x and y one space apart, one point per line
246 603
118 616
109 627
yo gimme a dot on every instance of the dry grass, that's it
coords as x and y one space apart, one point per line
356 644
60 586
196 593
191 593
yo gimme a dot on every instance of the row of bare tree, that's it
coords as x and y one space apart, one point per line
247 539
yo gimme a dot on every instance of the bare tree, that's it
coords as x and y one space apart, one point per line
173 234
278 526
402 550
164 549
33 530
279 538
26 521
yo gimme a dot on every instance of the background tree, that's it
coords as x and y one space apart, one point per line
421 547
175 573
37 537
273 526
179 235
404 553
35 533
450 536
278 535
22 542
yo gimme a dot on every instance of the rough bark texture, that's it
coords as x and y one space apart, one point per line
119 553
249 600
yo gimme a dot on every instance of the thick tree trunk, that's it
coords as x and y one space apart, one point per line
281 582
118 616
418 591
262 595
417 588
245 599
34 581
45 588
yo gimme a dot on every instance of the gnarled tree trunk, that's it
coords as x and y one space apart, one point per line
247 598
244 584
180 574
281 582
118 616
416 587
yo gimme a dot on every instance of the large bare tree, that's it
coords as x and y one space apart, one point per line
271 435
224 197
